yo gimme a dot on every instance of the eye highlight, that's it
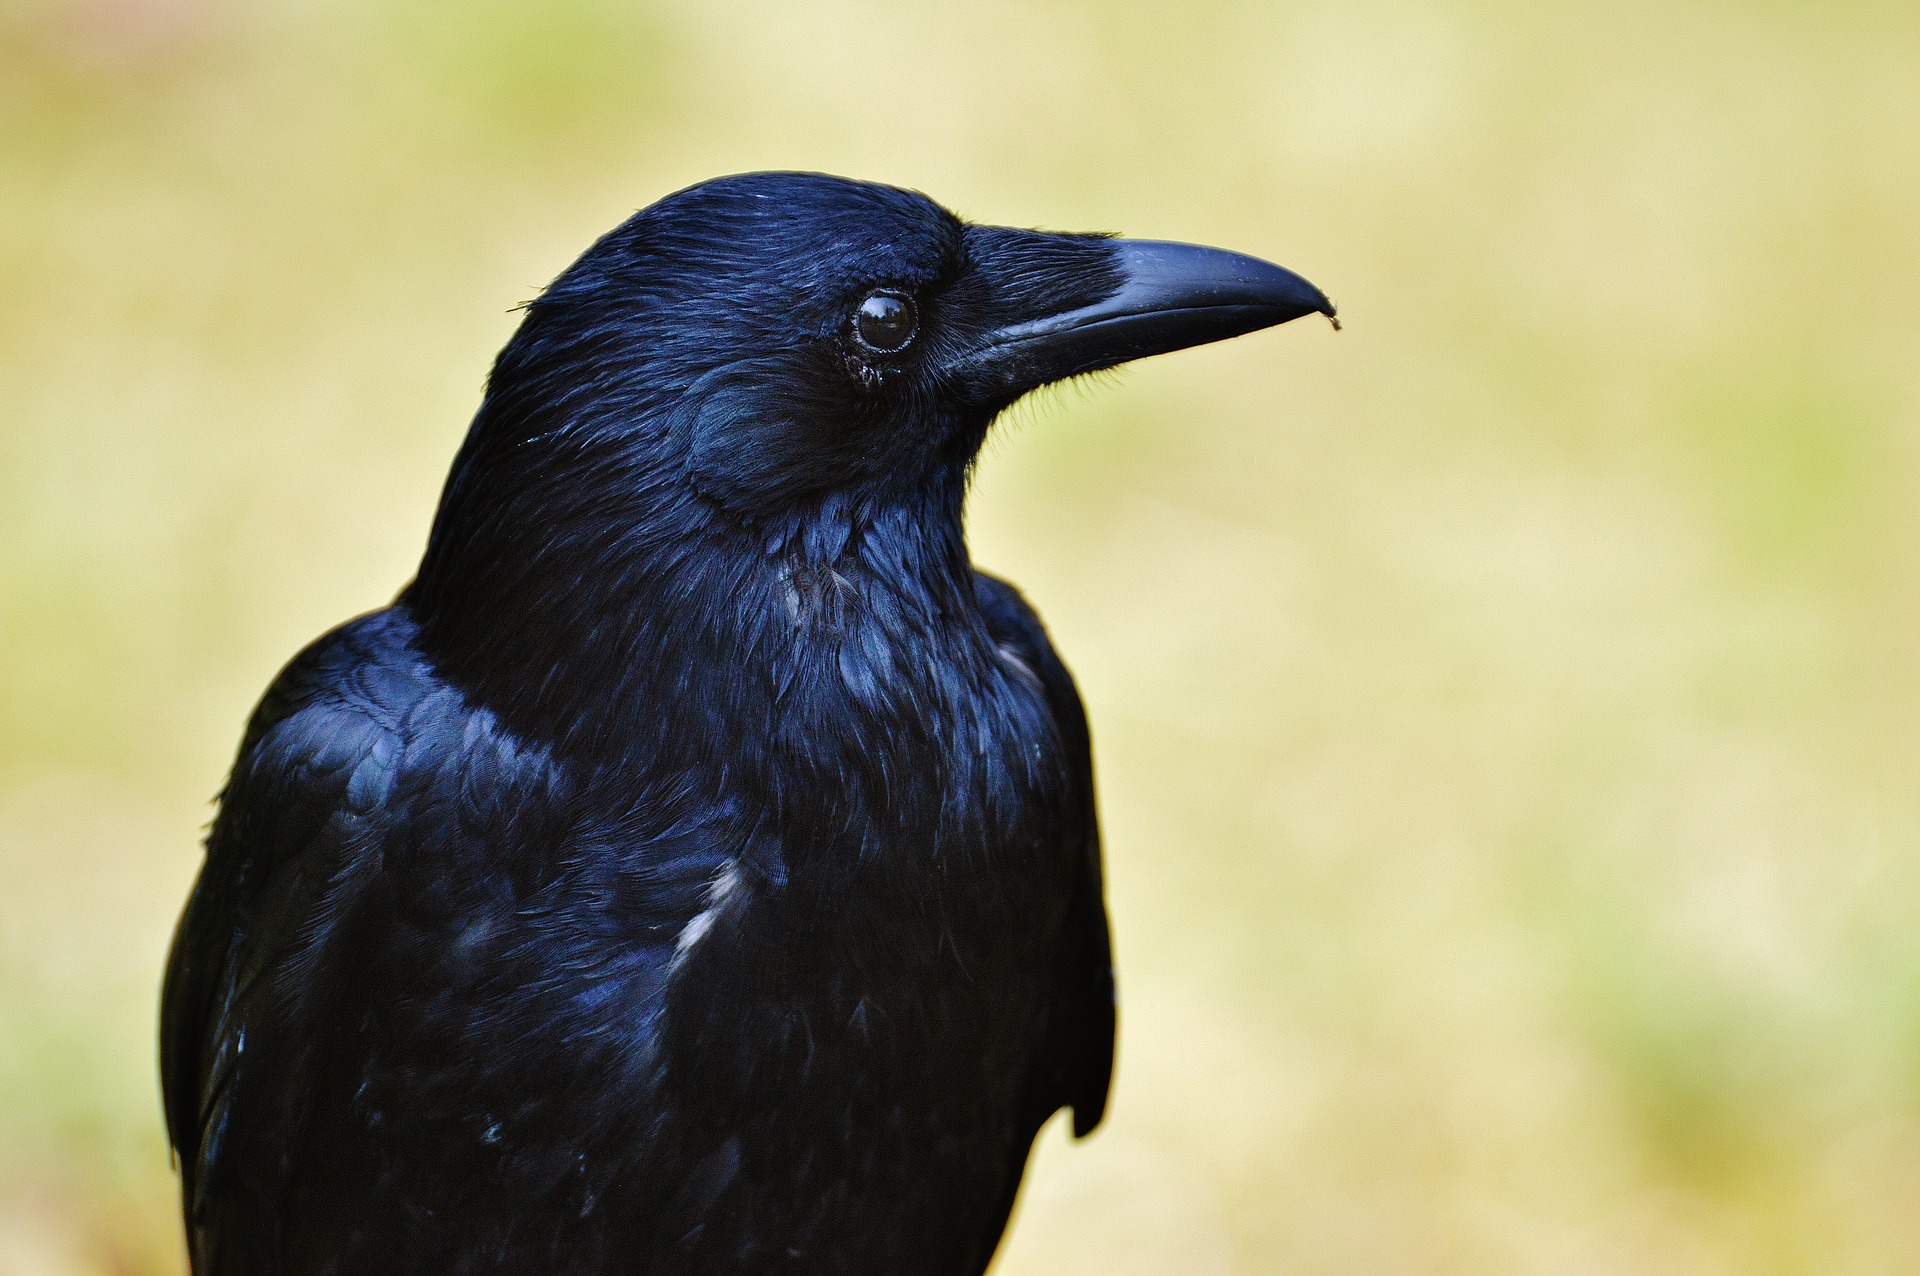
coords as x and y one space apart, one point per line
885 322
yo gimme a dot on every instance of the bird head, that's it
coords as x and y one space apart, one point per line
776 339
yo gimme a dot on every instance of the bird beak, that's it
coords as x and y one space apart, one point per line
1169 296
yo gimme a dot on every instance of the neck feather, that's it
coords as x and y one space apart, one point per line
604 608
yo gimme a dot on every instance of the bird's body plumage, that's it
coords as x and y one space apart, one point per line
577 1007
695 869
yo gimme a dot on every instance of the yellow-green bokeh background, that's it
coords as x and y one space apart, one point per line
1506 708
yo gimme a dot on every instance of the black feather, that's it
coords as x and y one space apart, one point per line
695 869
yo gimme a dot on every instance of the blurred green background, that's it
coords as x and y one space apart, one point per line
1506 708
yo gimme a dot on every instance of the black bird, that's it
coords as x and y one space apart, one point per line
695 869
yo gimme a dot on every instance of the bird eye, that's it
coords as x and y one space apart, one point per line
885 322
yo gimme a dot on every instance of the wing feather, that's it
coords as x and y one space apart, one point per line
1075 1067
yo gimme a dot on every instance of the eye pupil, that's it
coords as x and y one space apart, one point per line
884 322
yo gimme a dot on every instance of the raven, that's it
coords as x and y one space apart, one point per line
695 868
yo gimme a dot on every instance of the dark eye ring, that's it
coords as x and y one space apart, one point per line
885 322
